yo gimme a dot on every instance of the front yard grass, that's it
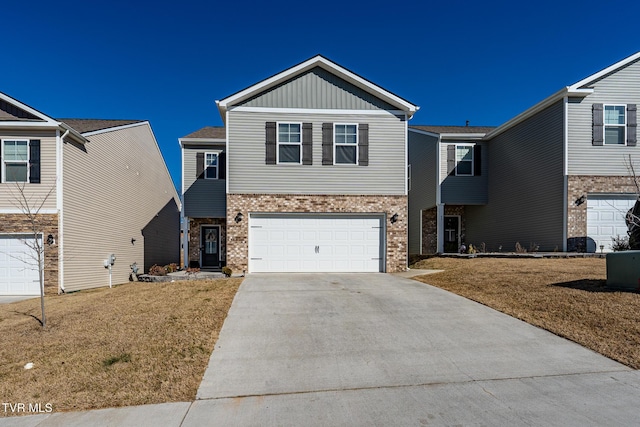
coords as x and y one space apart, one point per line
134 344
568 297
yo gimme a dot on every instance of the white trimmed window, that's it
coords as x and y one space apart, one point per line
15 160
289 143
615 125
211 165
345 144
464 160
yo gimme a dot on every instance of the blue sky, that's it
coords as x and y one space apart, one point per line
168 61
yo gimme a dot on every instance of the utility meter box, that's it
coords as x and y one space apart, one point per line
623 270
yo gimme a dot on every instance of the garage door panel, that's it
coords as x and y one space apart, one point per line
329 243
605 219
18 274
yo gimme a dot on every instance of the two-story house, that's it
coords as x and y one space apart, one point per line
314 174
553 178
94 188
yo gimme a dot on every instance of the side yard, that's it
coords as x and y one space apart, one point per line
134 344
565 296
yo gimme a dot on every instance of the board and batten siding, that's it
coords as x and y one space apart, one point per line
203 198
248 173
463 190
9 191
317 88
526 187
621 87
423 158
116 188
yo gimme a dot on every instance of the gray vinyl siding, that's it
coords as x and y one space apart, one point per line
423 158
463 190
35 192
116 188
526 187
622 87
203 198
248 173
317 88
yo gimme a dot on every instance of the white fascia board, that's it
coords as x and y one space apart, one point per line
28 109
317 111
319 61
559 95
462 136
23 124
114 128
201 141
604 72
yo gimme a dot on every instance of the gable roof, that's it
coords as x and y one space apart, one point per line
208 132
453 129
579 89
93 125
330 66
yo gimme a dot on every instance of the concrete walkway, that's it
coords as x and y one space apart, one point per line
378 349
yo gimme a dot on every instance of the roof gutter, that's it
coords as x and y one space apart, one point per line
74 133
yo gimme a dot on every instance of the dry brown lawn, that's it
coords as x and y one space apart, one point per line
568 297
134 344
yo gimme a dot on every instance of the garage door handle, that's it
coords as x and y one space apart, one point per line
317 249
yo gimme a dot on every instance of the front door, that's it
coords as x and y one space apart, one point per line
210 247
451 234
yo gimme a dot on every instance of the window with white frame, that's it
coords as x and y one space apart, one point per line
15 160
289 143
464 160
346 144
615 124
211 165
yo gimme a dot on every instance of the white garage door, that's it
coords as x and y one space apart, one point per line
315 243
18 274
605 219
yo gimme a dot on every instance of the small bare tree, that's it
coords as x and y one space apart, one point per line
31 207
632 217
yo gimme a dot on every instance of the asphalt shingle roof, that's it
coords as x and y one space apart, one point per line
209 132
92 125
454 129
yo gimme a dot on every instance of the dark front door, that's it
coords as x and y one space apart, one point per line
210 247
451 234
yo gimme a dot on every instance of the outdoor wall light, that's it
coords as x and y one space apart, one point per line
394 218
238 217
50 239
580 200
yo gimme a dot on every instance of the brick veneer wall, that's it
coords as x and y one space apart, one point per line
194 237
577 215
48 224
237 233
430 226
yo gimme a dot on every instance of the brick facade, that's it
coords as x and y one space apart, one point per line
581 185
195 242
430 226
48 224
237 233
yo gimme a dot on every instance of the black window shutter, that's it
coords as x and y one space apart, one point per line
222 164
477 160
451 159
598 125
632 125
270 143
34 161
363 144
327 143
199 165
307 144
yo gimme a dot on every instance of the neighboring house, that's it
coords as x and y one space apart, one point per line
553 178
106 190
314 176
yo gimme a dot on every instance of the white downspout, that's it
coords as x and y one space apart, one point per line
60 208
439 205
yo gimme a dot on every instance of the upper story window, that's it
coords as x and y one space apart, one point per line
211 165
464 159
15 160
615 124
346 144
289 143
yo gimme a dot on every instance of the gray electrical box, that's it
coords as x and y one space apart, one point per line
623 270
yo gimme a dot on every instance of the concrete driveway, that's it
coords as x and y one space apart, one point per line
377 349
